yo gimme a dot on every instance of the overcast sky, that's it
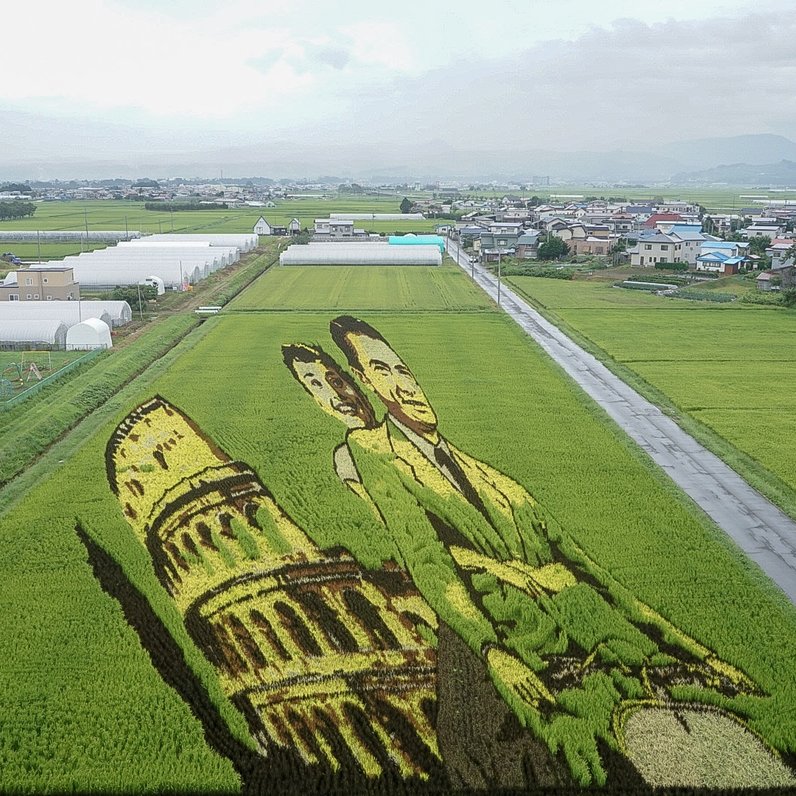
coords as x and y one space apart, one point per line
118 76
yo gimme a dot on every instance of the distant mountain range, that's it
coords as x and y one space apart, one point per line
780 175
749 160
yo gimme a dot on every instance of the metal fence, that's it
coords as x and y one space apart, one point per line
40 385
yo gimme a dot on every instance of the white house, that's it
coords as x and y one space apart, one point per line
335 227
294 227
762 230
262 227
657 248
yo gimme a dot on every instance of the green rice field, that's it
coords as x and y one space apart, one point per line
201 597
731 367
363 288
129 215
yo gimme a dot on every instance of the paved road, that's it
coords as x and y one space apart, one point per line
756 525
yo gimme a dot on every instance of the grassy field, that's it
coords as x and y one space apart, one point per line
730 366
363 288
87 704
44 360
720 200
14 363
45 251
124 215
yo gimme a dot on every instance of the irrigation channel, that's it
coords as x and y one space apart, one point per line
764 533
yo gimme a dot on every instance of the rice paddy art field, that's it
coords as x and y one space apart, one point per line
390 552
364 288
730 367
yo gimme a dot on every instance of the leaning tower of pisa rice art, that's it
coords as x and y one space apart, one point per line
320 655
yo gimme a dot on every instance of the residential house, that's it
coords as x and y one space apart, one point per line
590 245
692 238
620 223
678 206
527 247
653 220
335 228
598 231
762 230
513 215
655 248
506 227
730 248
469 234
778 251
45 283
294 227
720 263
262 227
504 243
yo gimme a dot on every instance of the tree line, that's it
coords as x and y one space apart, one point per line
11 210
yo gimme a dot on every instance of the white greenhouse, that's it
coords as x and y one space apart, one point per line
360 254
119 312
245 242
154 281
32 334
66 312
88 335
129 266
66 236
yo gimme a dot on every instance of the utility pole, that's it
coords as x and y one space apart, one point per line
38 245
126 230
498 295
140 311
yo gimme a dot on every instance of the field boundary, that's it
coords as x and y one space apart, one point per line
755 474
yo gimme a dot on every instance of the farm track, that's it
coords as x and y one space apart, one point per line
763 532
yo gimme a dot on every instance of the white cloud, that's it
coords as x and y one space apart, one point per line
514 74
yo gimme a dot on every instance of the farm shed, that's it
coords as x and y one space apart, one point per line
360 254
32 334
67 312
88 335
